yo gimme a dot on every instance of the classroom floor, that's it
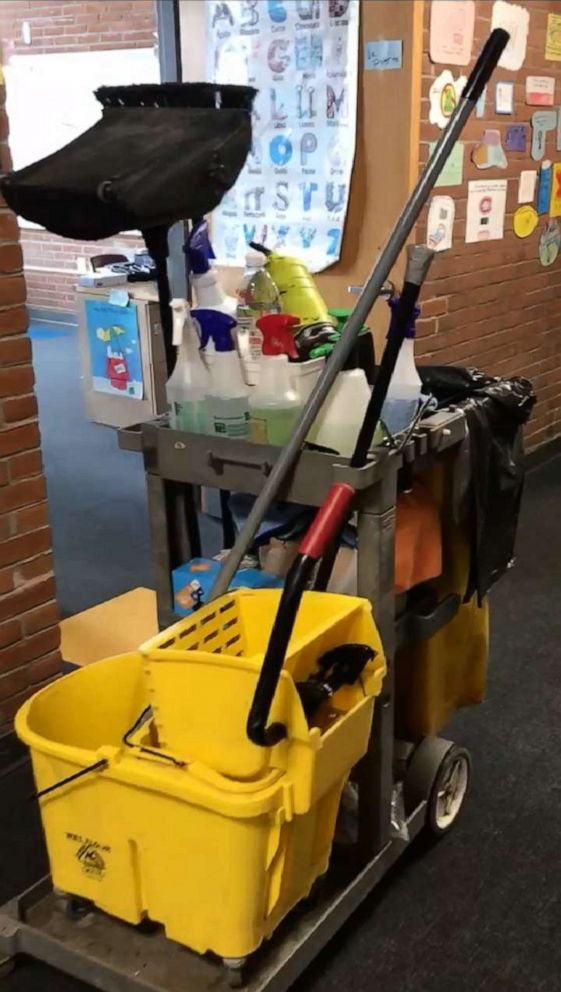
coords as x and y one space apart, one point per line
478 912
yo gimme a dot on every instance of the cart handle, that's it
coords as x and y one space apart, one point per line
325 526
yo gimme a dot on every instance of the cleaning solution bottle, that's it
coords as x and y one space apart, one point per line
206 286
298 292
189 383
274 404
340 419
258 295
227 400
404 393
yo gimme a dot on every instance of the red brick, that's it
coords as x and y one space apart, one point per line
36 568
12 289
13 320
4 474
7 583
11 259
19 408
16 381
25 465
24 546
22 493
15 351
8 226
29 649
17 439
31 518
40 618
9 632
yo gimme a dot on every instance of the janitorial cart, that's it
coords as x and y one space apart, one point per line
219 802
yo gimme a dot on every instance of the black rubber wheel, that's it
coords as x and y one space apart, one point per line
77 908
438 774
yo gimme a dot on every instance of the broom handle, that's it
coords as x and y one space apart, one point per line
478 78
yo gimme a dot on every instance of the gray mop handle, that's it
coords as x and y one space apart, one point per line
479 76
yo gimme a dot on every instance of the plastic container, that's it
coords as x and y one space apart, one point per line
220 842
189 383
404 393
338 422
258 295
274 404
298 292
227 397
206 285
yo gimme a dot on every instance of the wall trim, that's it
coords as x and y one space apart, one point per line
44 315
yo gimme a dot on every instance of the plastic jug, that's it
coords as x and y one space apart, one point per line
339 421
274 404
299 294
227 395
188 385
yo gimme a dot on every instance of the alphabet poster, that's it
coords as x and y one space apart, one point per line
302 57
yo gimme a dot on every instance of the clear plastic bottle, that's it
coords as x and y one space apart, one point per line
340 419
227 399
274 404
258 295
404 393
188 385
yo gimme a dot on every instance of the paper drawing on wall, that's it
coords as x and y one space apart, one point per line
451 31
489 153
486 205
525 221
550 242
553 38
504 98
542 122
516 138
480 105
515 20
555 203
540 91
440 223
527 186
453 172
544 187
443 96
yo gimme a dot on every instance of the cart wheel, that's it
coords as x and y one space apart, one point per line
439 774
77 908
235 971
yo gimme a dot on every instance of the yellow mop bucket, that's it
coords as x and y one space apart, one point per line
159 806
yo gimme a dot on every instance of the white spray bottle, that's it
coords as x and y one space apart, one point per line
189 383
227 395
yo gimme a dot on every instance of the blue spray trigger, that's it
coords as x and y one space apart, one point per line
216 325
199 249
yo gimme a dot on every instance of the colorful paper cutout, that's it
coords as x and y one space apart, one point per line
515 20
443 96
550 242
540 91
451 31
504 98
527 186
544 187
542 122
516 138
555 202
440 223
553 38
489 152
453 171
558 140
486 205
480 105
525 221
383 54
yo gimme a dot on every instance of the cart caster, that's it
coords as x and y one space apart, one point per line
235 971
76 908
7 965
439 773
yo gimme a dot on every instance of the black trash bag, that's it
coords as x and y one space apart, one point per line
495 410
159 154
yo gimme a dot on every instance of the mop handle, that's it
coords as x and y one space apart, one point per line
479 76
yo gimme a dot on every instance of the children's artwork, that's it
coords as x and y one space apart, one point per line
550 242
542 122
540 91
440 223
114 347
516 138
558 138
443 97
527 186
486 206
504 98
453 171
383 54
302 57
451 31
555 203
516 20
553 38
525 221
489 153
480 105
544 187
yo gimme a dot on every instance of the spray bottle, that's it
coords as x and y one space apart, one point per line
227 395
274 404
208 291
299 294
188 385
404 393
340 419
258 295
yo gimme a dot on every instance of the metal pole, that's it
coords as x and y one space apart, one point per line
479 77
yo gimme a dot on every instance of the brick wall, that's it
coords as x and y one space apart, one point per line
69 26
29 633
495 305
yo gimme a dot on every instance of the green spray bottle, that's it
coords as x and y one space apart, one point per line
274 404
299 294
